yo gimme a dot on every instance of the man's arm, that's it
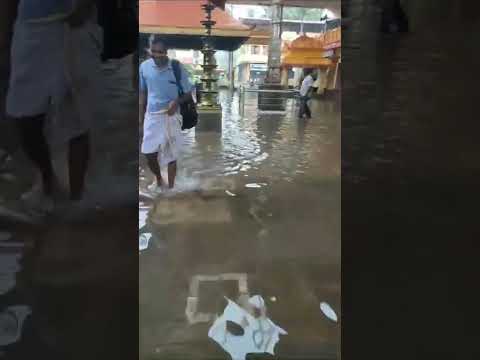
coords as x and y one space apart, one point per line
173 106
142 96
142 106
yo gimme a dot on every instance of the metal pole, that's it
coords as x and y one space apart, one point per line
239 99
231 70
242 102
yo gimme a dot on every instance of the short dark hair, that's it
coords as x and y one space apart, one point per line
157 40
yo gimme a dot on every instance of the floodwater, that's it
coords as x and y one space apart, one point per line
256 212
66 281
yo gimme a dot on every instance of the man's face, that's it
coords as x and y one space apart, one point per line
159 54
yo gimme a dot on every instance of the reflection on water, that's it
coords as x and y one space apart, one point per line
264 146
256 211
66 281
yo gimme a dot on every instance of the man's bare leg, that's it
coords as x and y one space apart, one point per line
172 173
152 162
78 158
36 148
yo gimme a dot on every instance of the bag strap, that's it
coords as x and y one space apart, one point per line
178 75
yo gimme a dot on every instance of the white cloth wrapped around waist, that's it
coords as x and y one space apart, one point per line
63 78
162 134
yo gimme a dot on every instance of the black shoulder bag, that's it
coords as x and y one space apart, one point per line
188 109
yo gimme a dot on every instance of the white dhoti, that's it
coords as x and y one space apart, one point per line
56 70
163 134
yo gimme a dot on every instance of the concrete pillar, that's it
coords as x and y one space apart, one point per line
335 77
284 81
231 71
297 76
274 101
322 75
274 52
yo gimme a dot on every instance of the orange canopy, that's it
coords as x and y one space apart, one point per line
184 18
311 51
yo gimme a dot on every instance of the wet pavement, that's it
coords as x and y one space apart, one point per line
256 212
409 181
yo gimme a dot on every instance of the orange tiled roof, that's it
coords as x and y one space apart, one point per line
311 51
184 16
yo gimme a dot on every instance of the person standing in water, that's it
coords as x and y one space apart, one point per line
159 112
305 91
55 51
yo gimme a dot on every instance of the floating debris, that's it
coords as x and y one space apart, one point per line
145 195
259 335
12 320
230 193
9 266
144 241
142 216
16 216
253 186
262 157
328 311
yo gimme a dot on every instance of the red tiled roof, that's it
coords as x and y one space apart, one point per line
184 14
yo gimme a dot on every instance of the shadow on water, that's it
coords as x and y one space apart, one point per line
257 211
66 281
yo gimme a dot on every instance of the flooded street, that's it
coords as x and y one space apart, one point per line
256 212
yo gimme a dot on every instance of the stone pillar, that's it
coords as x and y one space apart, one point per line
323 75
275 49
231 71
274 101
284 81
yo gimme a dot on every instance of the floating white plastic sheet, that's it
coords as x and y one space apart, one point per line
9 267
260 334
144 240
142 217
328 311
12 320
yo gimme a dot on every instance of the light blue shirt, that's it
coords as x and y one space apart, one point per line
30 10
160 84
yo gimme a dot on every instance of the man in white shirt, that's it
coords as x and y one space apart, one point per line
305 88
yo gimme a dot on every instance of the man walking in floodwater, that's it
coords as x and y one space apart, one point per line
305 91
159 112
55 51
